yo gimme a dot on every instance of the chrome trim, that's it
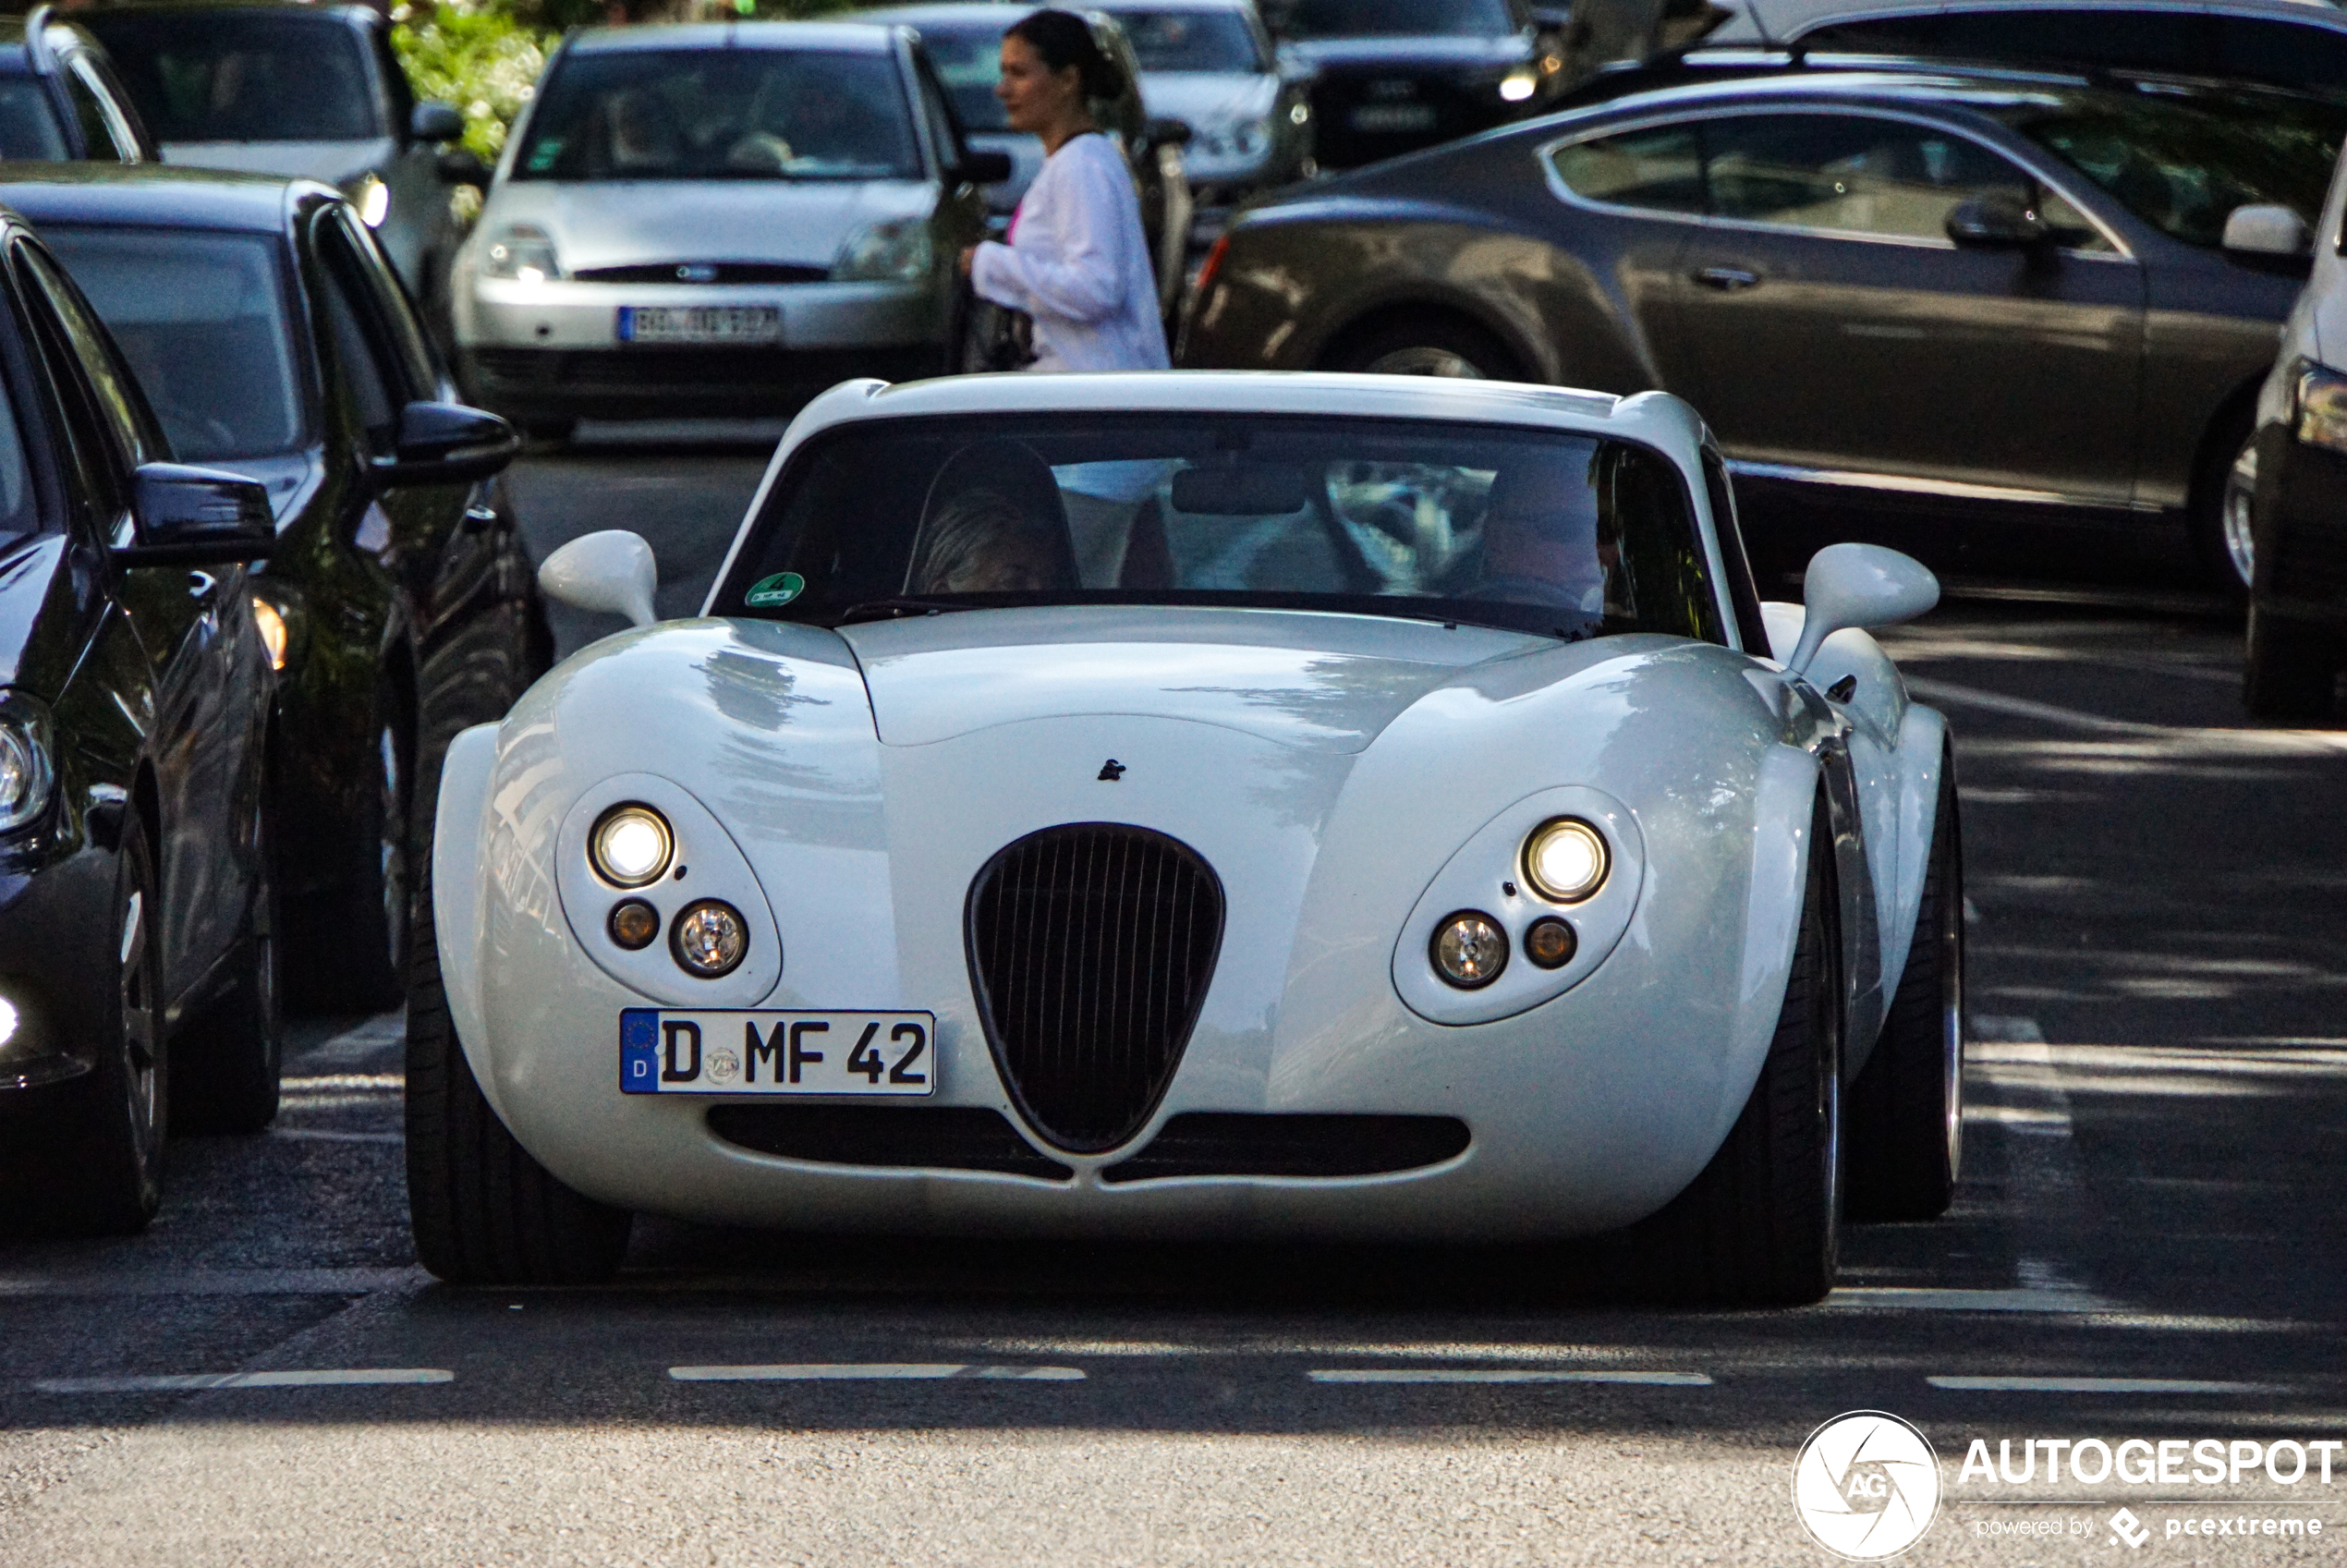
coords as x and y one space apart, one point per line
1908 484
1546 153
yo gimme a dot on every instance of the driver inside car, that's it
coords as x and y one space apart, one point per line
1540 542
994 523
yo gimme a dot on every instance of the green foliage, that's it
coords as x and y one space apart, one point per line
484 60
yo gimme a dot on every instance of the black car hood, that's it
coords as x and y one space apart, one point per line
1448 52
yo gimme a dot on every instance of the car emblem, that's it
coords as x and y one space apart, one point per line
780 588
1112 771
696 273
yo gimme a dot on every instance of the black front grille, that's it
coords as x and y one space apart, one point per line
933 1137
704 272
1090 947
1363 113
1227 1143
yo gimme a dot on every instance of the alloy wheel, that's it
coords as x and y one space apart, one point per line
1426 361
393 848
2234 514
140 1025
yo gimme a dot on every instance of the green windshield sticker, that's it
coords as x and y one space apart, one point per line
780 588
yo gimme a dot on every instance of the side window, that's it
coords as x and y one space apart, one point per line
1660 168
400 96
2282 51
1743 593
90 114
100 486
114 101
399 336
121 407
942 131
373 387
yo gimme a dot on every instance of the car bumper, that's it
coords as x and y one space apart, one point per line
56 970
2301 530
508 313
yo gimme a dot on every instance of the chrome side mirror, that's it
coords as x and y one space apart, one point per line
1861 586
2264 228
611 573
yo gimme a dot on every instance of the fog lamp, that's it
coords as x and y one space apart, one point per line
710 939
1549 942
631 845
1470 950
266 616
1565 860
634 923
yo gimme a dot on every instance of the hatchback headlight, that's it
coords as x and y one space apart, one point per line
524 252
896 251
631 845
2322 407
27 776
1565 860
372 197
1519 85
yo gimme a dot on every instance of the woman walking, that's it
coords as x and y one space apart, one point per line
1078 262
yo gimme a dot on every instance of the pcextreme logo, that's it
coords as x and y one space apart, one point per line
1866 1486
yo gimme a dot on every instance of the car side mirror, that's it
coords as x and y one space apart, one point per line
198 518
1861 586
462 166
985 168
611 572
435 122
2267 229
447 444
1998 221
1162 132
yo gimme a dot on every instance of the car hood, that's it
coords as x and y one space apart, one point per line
1403 54
335 163
1209 100
633 222
1321 683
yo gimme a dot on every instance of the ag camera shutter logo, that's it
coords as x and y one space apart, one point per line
1866 1486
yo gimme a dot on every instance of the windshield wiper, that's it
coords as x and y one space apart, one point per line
891 608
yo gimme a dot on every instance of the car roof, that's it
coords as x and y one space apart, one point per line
1934 84
159 195
1778 21
203 8
861 38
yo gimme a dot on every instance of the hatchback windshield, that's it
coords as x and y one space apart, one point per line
721 114
202 319
1557 535
1349 19
1192 40
216 76
28 126
969 61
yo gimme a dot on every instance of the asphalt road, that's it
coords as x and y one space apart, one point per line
2158 1127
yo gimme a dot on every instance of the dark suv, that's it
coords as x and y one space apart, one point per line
59 98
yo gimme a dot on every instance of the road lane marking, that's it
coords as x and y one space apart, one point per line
875 1371
2274 742
1501 1375
1924 1298
328 1135
213 1282
2099 1385
339 1377
354 1045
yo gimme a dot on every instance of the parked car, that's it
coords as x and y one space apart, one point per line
1210 65
1394 76
138 977
2031 296
279 88
720 219
59 97
963 40
263 322
1206 805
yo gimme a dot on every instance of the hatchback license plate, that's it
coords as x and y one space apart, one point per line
700 324
663 1052
1393 116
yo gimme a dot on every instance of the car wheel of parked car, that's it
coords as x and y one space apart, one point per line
377 909
1430 346
2290 671
1762 1225
231 1058
115 1134
2220 506
1905 1111
484 1212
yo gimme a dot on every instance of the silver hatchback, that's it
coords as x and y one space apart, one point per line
719 220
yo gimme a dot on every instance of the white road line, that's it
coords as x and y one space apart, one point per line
2206 739
356 1044
2099 1385
215 1281
2005 1028
1923 1298
1501 1375
327 1134
875 1371
341 1376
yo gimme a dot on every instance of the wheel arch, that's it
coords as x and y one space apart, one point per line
1367 320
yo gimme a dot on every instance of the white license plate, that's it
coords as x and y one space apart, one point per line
663 1052
1394 116
700 324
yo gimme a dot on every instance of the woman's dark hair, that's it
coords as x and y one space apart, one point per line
1064 40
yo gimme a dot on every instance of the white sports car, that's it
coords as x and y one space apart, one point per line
1206 805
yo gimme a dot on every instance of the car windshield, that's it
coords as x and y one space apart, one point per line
969 61
1192 40
721 114
1422 18
2183 165
202 319
1553 534
219 75
28 126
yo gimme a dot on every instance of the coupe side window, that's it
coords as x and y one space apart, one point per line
121 406
385 361
1856 175
1660 168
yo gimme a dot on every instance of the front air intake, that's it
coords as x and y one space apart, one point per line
1090 948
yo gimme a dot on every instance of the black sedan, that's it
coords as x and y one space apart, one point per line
272 340
2030 295
135 915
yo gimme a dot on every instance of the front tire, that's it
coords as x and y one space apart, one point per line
111 1170
1906 1110
2222 493
376 913
482 1210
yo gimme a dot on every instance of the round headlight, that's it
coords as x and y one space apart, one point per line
710 939
634 923
1565 860
25 775
631 845
1470 950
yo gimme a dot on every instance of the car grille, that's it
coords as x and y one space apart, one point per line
1365 114
935 1137
704 272
1223 1143
1090 947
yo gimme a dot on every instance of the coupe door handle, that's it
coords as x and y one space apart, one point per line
1726 280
